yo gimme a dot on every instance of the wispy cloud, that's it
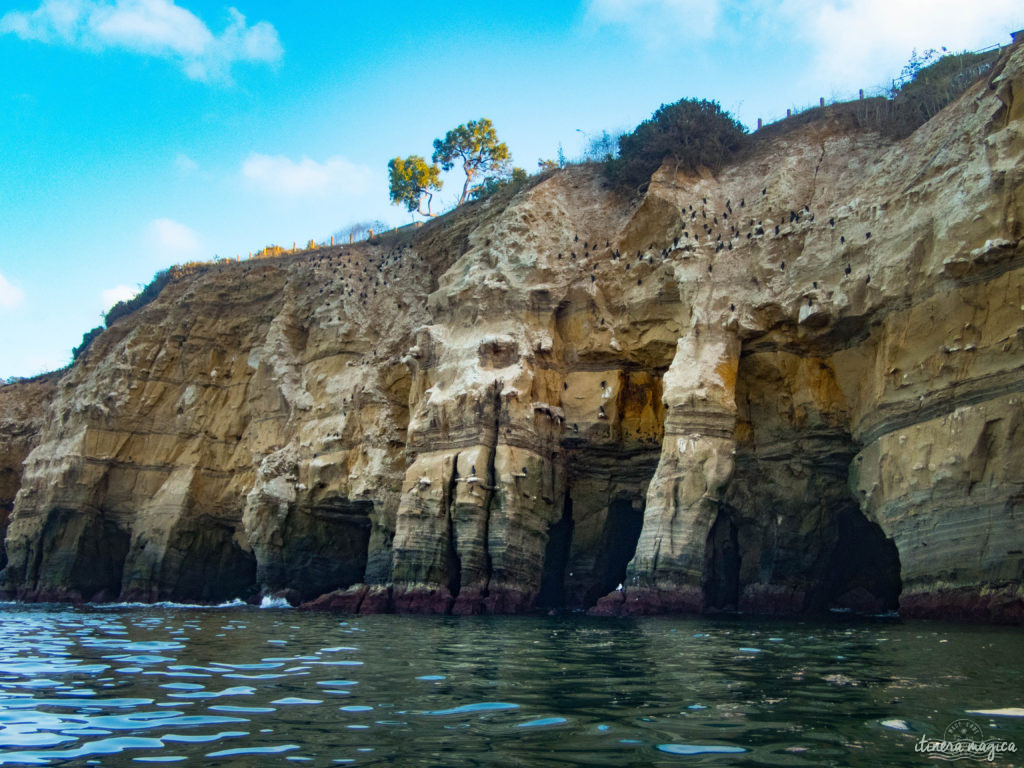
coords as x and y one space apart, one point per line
852 43
149 27
118 293
657 22
865 41
172 241
283 177
11 295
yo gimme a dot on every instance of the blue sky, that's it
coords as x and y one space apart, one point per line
142 133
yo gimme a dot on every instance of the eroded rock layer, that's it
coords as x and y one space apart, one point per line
791 386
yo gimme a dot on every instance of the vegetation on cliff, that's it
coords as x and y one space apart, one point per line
691 132
929 84
147 294
412 180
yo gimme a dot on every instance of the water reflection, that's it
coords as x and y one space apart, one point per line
242 686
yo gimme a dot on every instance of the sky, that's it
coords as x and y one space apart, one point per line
137 134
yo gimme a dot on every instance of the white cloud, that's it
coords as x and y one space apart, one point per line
657 22
281 176
853 43
148 27
172 241
863 42
11 295
118 293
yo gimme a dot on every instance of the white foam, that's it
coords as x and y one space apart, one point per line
274 602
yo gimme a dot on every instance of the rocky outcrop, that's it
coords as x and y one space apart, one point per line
791 386
22 414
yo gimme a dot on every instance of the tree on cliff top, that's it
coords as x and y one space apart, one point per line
692 132
412 181
476 144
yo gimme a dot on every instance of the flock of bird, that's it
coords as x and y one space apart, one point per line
704 228
356 275
346 275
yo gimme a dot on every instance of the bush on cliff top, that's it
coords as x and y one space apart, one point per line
152 290
87 339
928 87
147 294
692 133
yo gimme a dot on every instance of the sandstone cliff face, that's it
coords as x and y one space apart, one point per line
22 414
791 386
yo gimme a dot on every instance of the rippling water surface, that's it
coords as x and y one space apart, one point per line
242 686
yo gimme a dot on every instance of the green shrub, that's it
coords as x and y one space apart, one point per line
87 339
928 87
152 290
691 132
141 299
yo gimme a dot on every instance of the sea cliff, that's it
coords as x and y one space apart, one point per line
792 385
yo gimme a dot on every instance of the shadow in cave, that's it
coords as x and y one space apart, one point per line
327 547
556 558
204 562
722 563
864 573
618 545
82 551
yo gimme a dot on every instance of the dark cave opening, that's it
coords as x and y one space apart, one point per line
618 545
83 551
865 566
556 559
204 562
327 546
722 563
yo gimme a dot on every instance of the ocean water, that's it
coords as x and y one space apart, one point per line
236 685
